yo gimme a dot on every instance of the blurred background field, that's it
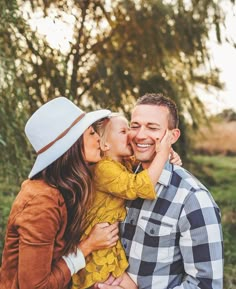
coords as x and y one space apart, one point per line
218 137
219 175
214 162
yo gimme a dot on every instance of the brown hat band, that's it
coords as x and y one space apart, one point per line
62 134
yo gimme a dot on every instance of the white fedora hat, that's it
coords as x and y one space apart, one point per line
55 127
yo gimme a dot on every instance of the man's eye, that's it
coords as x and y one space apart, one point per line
153 128
134 127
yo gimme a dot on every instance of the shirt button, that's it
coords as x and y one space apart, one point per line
152 231
124 244
132 221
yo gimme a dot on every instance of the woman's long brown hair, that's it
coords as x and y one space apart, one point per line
71 175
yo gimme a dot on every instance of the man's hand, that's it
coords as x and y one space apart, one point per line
122 282
106 286
110 281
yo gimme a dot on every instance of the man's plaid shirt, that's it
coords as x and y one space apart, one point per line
176 240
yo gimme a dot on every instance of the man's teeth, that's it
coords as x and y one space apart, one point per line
143 145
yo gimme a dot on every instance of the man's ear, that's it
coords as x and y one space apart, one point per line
175 134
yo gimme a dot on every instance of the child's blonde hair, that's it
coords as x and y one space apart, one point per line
102 126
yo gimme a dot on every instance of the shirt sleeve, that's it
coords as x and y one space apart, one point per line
38 225
75 261
111 177
201 243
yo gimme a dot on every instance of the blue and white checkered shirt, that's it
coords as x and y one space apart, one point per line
176 240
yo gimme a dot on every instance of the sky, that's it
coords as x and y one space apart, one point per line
223 56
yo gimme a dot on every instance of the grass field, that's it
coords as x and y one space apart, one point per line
218 173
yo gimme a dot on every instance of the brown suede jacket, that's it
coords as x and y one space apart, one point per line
32 256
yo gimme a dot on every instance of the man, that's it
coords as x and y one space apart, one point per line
176 240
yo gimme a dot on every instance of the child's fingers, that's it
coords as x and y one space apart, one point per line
169 136
166 140
175 159
158 144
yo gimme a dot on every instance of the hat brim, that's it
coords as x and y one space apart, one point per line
62 145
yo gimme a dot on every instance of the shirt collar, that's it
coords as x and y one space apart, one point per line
165 176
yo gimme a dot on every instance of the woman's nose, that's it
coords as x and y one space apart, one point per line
98 137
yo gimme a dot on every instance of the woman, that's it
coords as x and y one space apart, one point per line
42 243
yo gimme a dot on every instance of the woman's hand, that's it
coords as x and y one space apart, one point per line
102 236
175 158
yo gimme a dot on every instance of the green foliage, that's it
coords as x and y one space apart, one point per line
220 178
7 195
118 50
14 156
227 115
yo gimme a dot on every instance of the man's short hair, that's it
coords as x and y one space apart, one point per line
160 100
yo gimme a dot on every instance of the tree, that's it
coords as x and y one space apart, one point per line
119 50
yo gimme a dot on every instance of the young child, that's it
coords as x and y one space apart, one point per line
114 183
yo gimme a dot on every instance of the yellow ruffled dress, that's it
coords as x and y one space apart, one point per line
114 183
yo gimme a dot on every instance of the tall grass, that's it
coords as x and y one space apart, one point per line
218 173
218 138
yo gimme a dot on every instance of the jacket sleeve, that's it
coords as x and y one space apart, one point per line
201 243
38 225
111 177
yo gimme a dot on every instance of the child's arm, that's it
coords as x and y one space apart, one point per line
112 177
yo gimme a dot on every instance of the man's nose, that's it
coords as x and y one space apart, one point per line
141 132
